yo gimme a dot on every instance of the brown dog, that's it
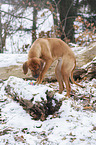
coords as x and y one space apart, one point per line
42 54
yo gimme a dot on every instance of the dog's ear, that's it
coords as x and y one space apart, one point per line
41 63
25 67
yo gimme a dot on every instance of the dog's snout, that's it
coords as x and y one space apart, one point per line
36 76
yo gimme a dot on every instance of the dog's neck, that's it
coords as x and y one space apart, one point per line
33 54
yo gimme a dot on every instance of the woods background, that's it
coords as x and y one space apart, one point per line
73 21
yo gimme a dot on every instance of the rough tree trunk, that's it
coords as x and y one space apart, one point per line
0 33
66 18
34 25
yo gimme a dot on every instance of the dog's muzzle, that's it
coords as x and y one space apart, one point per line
36 76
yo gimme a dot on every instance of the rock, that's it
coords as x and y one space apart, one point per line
16 70
86 56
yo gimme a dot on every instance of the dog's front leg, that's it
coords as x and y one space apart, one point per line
46 67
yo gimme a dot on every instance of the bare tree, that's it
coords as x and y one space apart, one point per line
67 15
34 25
0 32
63 11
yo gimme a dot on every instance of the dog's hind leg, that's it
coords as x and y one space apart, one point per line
67 83
59 75
66 68
73 79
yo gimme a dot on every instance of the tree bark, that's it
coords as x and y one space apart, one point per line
34 25
67 14
38 110
1 50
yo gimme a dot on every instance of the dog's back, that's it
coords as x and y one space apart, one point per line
59 48
54 47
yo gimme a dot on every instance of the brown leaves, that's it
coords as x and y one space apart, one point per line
88 34
87 108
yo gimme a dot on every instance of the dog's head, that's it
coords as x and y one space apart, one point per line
35 65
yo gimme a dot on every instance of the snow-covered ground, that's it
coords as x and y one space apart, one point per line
12 59
72 127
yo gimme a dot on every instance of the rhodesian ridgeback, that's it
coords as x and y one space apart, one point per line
42 54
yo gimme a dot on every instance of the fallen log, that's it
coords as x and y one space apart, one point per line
39 110
78 73
91 71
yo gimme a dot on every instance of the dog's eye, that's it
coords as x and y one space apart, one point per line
32 70
37 69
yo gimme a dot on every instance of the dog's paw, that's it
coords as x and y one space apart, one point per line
40 81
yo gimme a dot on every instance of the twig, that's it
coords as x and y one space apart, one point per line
15 15
67 15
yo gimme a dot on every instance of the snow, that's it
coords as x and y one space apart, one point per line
15 42
12 59
46 19
72 127
20 88
77 49
86 65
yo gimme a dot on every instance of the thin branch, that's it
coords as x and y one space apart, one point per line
67 15
68 18
16 16
56 4
43 21
69 31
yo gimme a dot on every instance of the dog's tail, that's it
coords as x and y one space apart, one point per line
73 79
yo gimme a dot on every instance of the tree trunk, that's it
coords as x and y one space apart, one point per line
1 50
34 25
66 17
